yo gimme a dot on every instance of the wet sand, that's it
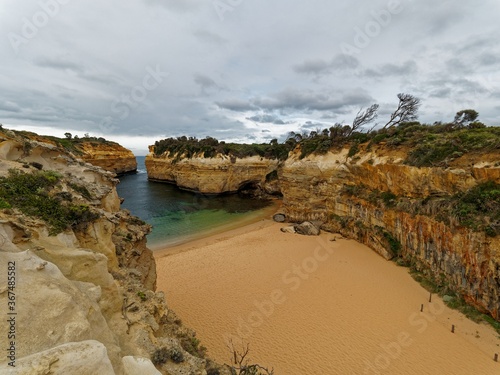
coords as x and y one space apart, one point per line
308 305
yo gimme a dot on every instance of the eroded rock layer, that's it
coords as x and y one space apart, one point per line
217 175
109 156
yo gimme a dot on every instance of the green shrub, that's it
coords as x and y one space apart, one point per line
142 296
30 193
4 204
353 150
176 355
160 356
81 189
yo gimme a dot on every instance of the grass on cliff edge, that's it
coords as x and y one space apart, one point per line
33 194
427 145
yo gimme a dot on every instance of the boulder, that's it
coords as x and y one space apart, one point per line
138 365
75 358
279 217
289 229
307 228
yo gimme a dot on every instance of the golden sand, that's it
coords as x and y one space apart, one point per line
308 305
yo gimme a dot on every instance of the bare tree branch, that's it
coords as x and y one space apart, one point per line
406 111
364 117
240 362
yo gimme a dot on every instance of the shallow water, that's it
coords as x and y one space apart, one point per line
177 215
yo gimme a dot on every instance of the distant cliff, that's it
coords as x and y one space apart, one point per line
100 152
217 175
428 197
82 280
108 155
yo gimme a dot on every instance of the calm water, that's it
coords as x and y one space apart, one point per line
178 215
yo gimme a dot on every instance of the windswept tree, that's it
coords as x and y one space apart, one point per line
364 117
465 117
406 111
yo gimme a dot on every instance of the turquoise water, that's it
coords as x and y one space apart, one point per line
176 215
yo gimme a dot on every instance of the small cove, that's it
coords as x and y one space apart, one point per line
179 216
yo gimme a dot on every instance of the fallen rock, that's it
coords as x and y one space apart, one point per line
307 228
75 358
280 218
290 229
138 365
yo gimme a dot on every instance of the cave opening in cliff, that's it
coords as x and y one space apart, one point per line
250 189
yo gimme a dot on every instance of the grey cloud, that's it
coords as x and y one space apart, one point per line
8 106
210 37
488 59
205 82
236 105
267 119
442 92
312 100
302 100
386 70
59 64
322 67
176 5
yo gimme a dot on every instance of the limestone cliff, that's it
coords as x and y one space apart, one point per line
109 156
100 152
83 279
395 209
215 175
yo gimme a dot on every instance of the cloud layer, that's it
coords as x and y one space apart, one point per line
240 70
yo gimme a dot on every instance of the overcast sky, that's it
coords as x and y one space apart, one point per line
240 70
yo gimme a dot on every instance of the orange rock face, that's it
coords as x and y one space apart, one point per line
109 156
466 261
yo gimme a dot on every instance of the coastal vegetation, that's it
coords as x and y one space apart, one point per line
40 194
69 142
187 147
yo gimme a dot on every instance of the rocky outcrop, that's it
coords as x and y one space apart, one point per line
109 156
84 296
216 175
326 188
76 358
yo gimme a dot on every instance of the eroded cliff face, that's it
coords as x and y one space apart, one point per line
85 298
220 174
109 156
326 188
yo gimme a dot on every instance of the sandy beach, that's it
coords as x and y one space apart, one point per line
309 305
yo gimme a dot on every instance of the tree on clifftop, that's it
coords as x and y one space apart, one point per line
465 117
406 111
364 117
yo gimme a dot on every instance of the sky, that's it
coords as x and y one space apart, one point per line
240 70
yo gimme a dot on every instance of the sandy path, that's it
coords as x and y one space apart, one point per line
308 305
